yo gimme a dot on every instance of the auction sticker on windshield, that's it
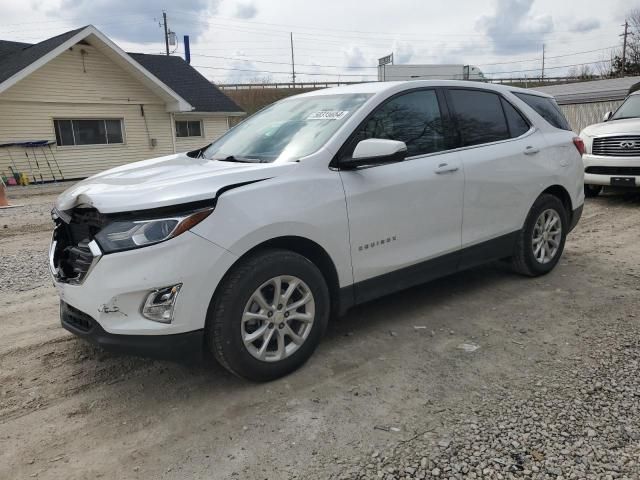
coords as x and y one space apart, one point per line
328 115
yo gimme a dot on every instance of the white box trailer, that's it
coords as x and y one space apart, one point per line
428 72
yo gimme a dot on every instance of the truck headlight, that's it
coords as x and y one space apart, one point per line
124 234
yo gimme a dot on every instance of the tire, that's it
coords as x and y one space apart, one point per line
236 298
592 191
524 260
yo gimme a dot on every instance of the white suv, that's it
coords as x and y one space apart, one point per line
317 203
612 155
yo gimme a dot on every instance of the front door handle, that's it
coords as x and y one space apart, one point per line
446 168
531 150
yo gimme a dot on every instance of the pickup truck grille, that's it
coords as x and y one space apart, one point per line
617 146
71 255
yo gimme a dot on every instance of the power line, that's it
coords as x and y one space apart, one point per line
313 39
547 57
285 72
546 68
252 60
359 32
276 63
367 75
338 39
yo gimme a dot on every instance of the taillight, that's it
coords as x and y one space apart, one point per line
577 141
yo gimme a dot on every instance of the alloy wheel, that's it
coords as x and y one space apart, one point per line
278 318
547 235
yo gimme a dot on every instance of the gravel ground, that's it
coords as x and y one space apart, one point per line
25 267
482 374
33 272
578 420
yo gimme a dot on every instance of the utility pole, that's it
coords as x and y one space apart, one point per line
542 63
293 63
166 31
624 46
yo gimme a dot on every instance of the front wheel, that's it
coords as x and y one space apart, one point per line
592 191
541 242
269 315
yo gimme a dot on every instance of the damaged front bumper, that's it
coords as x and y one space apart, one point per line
171 347
115 290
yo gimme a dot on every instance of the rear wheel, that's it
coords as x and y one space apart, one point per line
269 315
591 191
541 242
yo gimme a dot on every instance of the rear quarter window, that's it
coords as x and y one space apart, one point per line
517 124
547 108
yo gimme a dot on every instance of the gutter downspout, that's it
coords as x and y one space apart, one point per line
173 131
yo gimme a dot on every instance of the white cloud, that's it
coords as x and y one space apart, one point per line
334 32
513 29
354 57
246 10
585 25
403 52
138 18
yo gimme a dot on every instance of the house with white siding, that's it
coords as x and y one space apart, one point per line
95 106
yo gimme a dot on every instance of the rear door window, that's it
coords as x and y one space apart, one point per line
479 116
547 108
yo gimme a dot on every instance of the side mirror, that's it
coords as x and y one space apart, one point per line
375 151
607 116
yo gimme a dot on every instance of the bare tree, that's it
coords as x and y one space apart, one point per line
632 60
602 67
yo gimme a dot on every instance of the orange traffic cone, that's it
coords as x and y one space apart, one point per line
3 195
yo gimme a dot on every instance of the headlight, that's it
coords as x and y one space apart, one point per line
128 234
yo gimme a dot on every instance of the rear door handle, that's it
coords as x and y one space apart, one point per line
531 150
446 168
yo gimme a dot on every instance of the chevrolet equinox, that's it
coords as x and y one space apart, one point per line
319 202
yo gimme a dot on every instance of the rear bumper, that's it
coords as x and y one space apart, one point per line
180 346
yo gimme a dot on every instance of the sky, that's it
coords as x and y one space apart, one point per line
235 41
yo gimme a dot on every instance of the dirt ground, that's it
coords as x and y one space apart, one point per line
386 373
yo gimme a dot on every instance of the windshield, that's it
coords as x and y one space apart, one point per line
287 130
629 109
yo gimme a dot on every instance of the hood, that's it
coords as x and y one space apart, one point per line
162 182
629 126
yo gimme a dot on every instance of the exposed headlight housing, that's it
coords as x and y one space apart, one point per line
125 234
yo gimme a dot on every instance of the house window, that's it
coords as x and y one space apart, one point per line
190 128
88 132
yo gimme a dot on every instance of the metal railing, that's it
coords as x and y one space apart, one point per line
537 81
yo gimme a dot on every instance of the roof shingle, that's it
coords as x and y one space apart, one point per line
12 63
174 72
7 47
187 82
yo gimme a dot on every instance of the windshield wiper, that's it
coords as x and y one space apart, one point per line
232 158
